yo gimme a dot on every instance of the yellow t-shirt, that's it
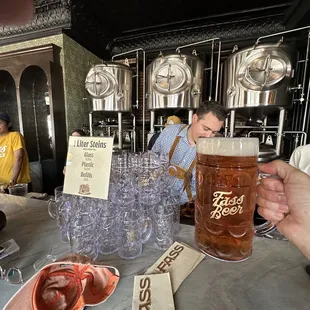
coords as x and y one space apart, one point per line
10 143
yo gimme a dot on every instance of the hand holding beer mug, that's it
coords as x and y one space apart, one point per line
227 175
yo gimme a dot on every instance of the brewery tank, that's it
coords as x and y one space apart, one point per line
257 81
174 81
110 87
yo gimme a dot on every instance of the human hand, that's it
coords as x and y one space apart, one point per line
286 200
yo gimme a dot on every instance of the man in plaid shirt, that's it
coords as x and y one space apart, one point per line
180 142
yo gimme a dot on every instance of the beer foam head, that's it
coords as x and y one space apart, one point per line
228 146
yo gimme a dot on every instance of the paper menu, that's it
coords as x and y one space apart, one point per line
88 166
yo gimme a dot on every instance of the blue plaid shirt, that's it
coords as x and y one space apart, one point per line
183 155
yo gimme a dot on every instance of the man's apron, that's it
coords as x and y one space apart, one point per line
182 174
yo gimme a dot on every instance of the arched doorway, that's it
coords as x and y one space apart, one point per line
8 100
36 118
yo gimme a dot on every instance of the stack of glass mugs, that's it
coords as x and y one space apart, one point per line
141 208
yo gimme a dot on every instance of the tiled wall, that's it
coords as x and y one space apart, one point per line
77 62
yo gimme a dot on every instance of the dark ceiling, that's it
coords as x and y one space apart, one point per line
109 27
137 15
119 20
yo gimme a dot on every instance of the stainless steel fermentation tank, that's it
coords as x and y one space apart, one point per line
175 81
110 88
258 82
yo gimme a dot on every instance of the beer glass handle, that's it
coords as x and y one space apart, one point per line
264 229
268 227
147 228
51 208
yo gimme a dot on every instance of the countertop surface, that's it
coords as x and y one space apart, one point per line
273 277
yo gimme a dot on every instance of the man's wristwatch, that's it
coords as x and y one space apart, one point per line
12 182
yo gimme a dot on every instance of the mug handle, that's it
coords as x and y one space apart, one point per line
264 229
52 208
147 229
146 225
268 227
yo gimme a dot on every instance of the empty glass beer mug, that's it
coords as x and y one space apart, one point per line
59 209
227 176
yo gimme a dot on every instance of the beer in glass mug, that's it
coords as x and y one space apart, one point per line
226 181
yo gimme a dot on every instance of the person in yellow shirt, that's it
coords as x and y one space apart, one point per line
14 162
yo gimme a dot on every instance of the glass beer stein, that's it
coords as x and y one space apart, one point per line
227 176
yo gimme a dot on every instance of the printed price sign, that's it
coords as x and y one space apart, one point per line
88 166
